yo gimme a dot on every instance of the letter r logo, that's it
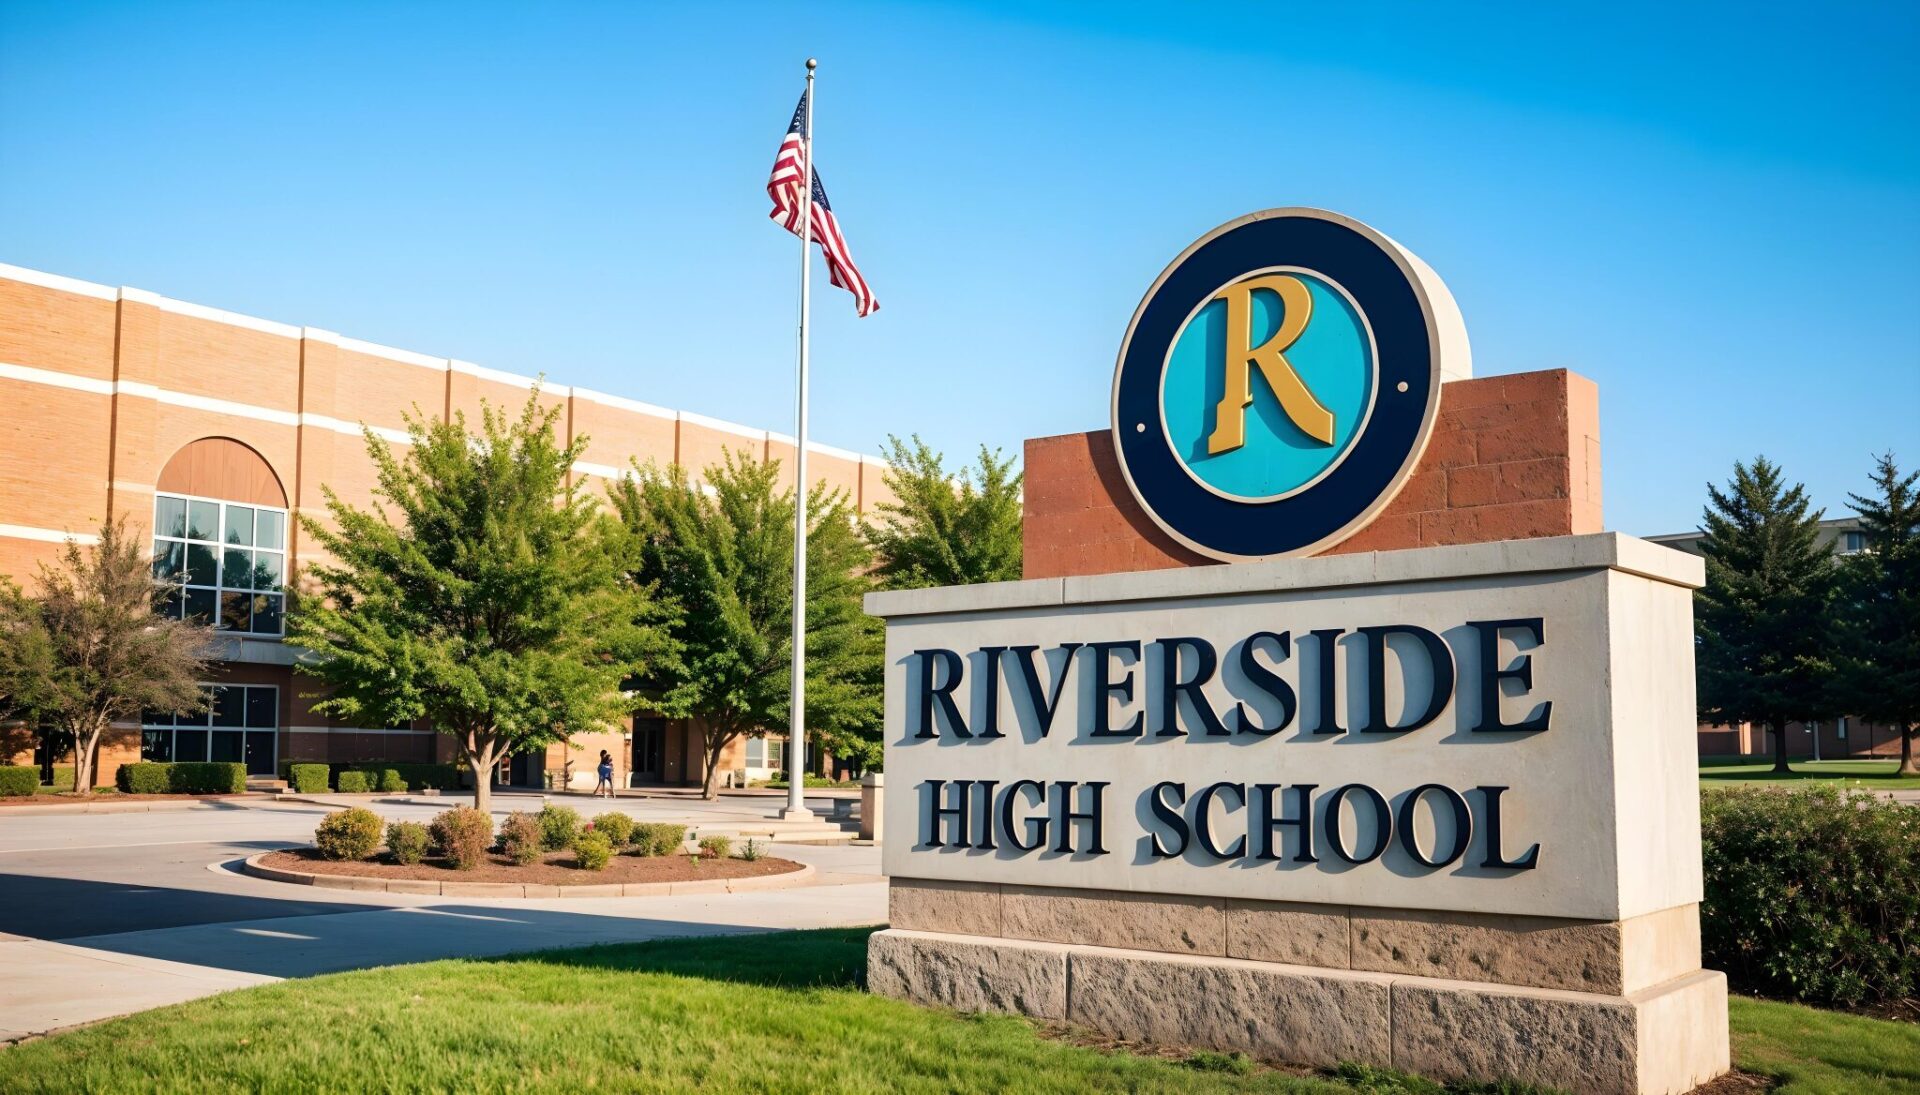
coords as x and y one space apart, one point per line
1299 404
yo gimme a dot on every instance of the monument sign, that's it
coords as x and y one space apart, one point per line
1434 808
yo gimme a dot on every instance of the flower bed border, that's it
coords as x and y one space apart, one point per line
430 887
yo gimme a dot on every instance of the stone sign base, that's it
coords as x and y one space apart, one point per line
1590 1007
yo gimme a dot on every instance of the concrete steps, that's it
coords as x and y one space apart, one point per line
267 784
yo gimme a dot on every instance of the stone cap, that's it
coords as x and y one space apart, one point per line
1595 551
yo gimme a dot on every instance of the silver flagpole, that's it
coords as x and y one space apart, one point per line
797 713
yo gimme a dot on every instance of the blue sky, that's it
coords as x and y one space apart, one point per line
1712 210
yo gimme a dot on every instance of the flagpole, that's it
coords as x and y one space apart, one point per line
797 707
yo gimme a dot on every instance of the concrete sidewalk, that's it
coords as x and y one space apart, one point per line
52 985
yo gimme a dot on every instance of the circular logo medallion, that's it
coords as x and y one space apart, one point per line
1279 382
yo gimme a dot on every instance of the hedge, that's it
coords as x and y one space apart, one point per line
396 777
19 779
1812 895
182 778
309 779
351 781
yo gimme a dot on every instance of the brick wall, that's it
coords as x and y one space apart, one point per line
1511 457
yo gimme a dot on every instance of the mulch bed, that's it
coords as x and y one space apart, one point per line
554 869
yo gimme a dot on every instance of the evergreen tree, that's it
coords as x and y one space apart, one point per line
943 530
89 651
485 591
1762 616
724 552
1879 619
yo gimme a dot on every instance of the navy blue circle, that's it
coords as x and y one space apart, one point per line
1403 346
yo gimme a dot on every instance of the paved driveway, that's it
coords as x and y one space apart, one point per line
107 914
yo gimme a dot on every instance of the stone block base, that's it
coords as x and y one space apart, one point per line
1666 1038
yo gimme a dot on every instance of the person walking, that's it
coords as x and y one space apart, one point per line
606 775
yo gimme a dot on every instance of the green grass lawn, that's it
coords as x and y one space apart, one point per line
1865 775
768 1013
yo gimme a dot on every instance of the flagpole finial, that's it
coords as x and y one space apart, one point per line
812 63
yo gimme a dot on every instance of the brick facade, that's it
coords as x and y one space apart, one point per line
1511 457
113 394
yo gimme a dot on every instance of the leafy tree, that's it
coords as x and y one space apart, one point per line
89 651
484 591
1879 619
943 530
1762 615
724 554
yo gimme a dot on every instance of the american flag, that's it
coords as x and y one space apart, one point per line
789 167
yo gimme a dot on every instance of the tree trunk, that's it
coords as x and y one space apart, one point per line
482 756
1907 767
1780 748
709 787
85 743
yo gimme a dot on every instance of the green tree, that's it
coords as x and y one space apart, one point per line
88 651
724 553
946 530
1878 672
1762 617
485 591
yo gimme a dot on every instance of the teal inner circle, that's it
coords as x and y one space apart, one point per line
1333 358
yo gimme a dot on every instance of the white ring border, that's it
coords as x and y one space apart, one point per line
1446 335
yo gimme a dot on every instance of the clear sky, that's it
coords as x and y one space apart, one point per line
1713 210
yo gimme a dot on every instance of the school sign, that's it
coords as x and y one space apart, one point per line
1431 808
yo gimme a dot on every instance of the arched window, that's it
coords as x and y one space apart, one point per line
220 538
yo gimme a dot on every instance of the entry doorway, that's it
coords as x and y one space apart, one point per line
528 769
649 761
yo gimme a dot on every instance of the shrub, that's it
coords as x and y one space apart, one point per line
616 827
19 779
309 779
591 851
185 778
408 841
558 826
378 777
348 834
658 838
463 835
420 777
1812 895
521 838
716 847
351 781
752 850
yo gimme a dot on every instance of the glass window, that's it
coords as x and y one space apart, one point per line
270 529
189 745
756 752
170 517
203 521
205 550
229 746
156 745
239 525
262 707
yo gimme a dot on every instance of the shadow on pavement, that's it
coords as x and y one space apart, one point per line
44 907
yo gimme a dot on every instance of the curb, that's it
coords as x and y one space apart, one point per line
194 802
428 887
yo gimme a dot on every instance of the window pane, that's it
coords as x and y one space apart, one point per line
203 520
263 707
169 560
228 745
270 529
229 706
756 752
202 566
190 745
200 605
239 572
266 614
236 612
167 601
267 569
240 525
156 745
169 517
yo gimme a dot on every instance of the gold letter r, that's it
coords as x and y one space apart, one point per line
1306 412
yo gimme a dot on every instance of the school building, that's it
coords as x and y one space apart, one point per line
213 431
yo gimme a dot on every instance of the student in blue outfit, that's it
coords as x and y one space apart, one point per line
606 775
